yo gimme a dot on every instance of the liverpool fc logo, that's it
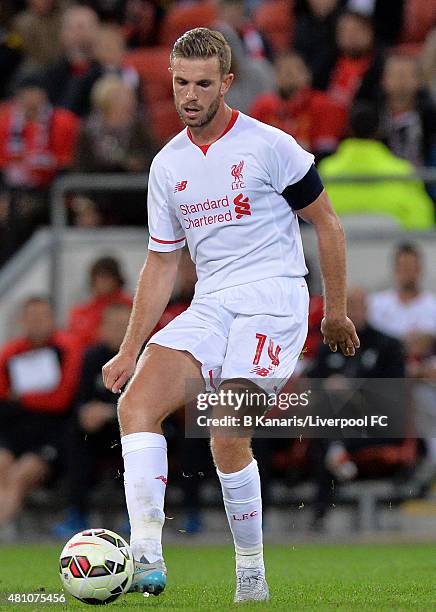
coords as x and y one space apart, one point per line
237 169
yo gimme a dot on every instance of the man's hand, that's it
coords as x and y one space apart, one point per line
342 333
118 370
94 415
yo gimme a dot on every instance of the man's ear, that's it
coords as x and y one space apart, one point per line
226 82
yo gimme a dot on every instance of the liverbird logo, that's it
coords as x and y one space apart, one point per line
237 169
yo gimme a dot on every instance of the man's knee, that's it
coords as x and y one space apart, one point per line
231 454
132 411
127 406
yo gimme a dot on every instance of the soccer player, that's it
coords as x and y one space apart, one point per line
231 187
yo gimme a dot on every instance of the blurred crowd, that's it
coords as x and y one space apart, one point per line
58 423
85 87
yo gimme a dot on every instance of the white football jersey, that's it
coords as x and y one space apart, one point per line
224 200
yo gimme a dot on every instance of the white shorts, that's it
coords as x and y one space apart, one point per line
254 331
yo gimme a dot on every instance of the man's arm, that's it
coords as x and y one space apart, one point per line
153 292
336 327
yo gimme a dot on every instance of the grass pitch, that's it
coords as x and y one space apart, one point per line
301 577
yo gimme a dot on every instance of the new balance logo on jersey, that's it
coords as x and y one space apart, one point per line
236 171
242 206
180 186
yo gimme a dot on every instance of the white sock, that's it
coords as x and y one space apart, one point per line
243 504
145 477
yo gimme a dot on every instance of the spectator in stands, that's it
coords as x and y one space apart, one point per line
86 213
315 27
408 115
36 143
93 433
252 77
408 312
387 17
36 140
39 27
232 14
78 32
406 308
428 61
310 116
109 51
405 201
380 357
115 137
106 283
39 372
357 63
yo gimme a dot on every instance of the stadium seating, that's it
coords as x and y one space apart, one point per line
419 18
274 19
152 66
183 17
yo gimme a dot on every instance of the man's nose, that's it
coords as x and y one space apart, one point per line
191 94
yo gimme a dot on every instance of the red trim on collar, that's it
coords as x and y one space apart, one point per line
205 148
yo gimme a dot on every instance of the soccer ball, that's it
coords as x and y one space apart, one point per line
96 566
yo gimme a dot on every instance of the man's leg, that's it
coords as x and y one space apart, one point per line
157 389
238 473
6 461
25 474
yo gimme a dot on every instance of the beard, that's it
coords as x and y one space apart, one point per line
202 120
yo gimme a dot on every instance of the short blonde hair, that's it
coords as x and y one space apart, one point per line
203 43
104 91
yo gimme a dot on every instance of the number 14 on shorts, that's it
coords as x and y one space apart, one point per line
273 354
